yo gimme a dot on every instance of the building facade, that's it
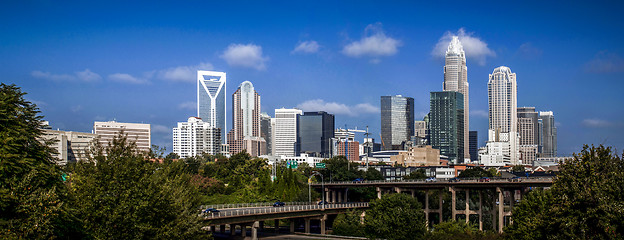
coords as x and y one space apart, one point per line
549 135
139 133
397 121
245 133
528 130
266 130
446 124
417 156
211 100
473 147
195 137
285 132
314 133
349 149
456 79
71 147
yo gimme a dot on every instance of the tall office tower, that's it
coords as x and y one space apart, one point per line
285 132
421 133
549 134
136 132
446 124
397 121
503 117
265 130
314 133
456 79
473 139
194 137
245 133
528 130
211 101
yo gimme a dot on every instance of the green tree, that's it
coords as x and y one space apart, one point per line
458 230
395 216
32 194
586 201
340 169
349 224
373 174
418 174
121 195
518 168
475 172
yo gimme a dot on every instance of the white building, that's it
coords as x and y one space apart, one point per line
284 131
211 100
302 158
195 137
140 133
70 146
503 133
456 79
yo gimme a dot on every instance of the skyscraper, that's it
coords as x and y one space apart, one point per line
397 121
473 139
195 137
456 79
285 132
314 133
245 133
211 101
503 118
266 130
528 130
549 134
446 124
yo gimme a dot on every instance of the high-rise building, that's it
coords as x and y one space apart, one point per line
194 137
139 133
446 124
245 133
456 79
285 132
397 121
549 134
528 130
71 147
314 133
266 130
211 103
503 118
473 147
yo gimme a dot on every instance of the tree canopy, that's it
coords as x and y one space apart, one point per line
395 216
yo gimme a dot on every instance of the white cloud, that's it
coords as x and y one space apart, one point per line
375 43
474 47
479 113
126 78
76 108
183 73
188 106
338 108
84 76
160 129
605 62
306 47
596 123
242 55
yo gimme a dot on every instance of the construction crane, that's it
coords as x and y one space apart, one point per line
347 130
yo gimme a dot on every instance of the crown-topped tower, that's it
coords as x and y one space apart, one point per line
456 79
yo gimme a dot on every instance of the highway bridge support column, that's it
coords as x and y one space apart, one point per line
212 229
480 210
323 219
254 230
426 206
292 225
307 225
327 195
276 224
467 211
243 230
453 202
440 205
232 229
501 214
333 196
378 193
222 228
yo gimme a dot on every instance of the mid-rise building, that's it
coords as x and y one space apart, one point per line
211 100
456 79
266 130
314 133
349 149
285 132
70 146
245 133
195 137
397 121
140 133
417 156
549 135
446 124
473 139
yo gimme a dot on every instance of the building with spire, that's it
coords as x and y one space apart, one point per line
245 133
456 80
211 99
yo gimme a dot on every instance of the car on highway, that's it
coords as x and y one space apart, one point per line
515 179
278 204
210 210
484 179
357 180
455 179
322 203
431 179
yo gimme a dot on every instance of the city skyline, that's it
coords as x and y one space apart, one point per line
80 69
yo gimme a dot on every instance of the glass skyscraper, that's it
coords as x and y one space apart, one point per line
446 124
549 135
397 121
211 99
456 79
314 133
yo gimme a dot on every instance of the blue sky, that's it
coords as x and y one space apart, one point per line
88 61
